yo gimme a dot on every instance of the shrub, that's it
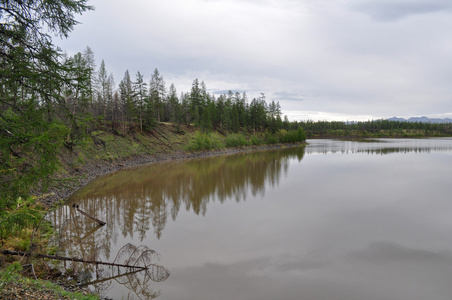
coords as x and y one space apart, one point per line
13 222
256 140
204 141
236 140
271 139
293 136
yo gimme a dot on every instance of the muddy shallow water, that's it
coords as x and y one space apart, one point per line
332 220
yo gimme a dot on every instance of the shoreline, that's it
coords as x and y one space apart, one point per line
57 195
94 169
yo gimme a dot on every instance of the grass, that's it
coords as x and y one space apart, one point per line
11 274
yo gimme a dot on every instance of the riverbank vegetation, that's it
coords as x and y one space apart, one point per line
51 103
372 129
60 112
15 286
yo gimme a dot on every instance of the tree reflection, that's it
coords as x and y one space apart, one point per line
133 201
378 146
137 198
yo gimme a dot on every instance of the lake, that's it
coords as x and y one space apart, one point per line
331 220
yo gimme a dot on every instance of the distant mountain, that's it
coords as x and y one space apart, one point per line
421 120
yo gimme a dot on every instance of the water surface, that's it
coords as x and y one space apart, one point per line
333 220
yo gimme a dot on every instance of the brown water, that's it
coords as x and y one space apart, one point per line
334 220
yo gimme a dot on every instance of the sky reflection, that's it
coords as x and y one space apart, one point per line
349 224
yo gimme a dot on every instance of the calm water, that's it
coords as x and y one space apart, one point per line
334 220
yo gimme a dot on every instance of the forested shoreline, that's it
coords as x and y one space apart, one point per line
137 104
371 129
50 102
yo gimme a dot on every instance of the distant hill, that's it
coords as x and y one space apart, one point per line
421 120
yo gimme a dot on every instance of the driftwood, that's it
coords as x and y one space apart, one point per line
39 255
92 218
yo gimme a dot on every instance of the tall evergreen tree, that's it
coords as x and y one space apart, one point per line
196 102
101 91
88 56
111 105
127 102
33 78
157 92
173 105
141 96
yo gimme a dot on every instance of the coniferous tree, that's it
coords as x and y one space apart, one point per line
33 81
228 114
101 91
141 95
157 92
111 106
219 112
185 108
75 112
174 113
127 102
88 56
258 113
196 103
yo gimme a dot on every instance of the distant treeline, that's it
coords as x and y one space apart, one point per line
374 128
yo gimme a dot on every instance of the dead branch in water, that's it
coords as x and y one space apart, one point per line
87 215
39 255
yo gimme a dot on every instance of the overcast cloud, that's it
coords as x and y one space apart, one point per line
325 59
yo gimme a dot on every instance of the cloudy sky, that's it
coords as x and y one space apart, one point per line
322 59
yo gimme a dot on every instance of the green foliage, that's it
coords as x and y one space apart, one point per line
293 136
11 273
204 141
256 140
208 141
236 140
27 152
271 138
13 221
36 88
149 123
378 128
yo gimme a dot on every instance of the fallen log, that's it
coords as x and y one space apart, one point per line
102 223
39 255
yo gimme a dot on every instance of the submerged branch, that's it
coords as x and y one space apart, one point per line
87 215
39 255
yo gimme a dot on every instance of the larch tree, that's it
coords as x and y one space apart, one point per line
126 95
157 92
33 78
173 104
141 96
